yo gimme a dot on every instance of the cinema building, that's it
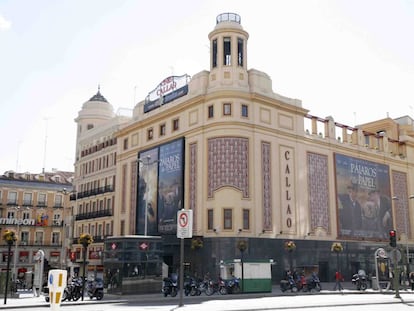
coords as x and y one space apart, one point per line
253 166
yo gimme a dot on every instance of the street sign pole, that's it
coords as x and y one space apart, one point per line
184 230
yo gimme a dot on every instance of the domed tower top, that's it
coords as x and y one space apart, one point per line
228 52
94 112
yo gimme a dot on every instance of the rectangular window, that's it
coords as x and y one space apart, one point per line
210 111
175 124
162 129
39 238
227 51
26 215
125 143
244 111
210 219
27 199
10 214
227 109
150 134
12 198
57 220
58 200
240 52
214 54
246 219
228 219
55 238
24 239
41 199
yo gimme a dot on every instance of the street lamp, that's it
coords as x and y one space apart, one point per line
16 246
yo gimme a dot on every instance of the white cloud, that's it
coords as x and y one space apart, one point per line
4 24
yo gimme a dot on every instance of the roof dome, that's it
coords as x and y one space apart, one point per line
98 97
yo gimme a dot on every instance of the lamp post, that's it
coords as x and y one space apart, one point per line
337 248
242 246
10 237
16 246
85 240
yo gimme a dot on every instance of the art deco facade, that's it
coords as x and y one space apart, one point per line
251 164
36 207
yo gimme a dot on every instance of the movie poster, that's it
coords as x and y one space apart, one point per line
363 198
147 193
170 185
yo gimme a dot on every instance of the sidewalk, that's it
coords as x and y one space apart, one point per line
327 289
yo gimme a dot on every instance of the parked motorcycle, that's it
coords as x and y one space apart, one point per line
233 286
360 280
170 286
216 287
288 284
313 283
73 290
95 288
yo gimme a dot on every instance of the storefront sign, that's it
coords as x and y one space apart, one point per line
17 221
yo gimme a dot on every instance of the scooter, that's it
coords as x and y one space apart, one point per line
288 284
360 280
95 289
170 286
313 283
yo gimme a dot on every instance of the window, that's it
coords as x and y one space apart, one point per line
227 109
210 111
227 51
244 111
39 238
90 126
150 133
175 124
57 220
10 214
26 215
210 219
55 238
240 52
214 54
246 219
41 199
58 200
24 238
125 143
12 198
27 199
162 129
228 219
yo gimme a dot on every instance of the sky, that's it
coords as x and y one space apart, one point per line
349 59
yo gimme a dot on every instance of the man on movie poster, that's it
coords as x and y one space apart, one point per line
170 185
147 192
363 198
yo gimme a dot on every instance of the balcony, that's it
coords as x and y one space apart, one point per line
92 192
96 214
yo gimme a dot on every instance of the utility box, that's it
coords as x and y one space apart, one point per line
254 275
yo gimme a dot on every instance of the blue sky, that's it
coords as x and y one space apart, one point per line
350 59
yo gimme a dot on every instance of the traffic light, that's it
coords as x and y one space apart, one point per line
393 238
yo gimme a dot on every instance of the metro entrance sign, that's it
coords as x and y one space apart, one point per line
184 224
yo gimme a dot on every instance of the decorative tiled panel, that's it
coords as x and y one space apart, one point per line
228 164
193 183
399 190
318 189
133 195
267 187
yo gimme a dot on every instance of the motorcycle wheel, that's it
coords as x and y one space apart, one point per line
223 291
193 291
76 296
363 286
209 291
294 289
236 290
99 295
173 292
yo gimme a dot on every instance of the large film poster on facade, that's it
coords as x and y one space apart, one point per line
363 198
147 192
170 185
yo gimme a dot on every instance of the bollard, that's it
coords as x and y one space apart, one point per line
56 282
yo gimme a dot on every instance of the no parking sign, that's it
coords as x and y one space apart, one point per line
185 224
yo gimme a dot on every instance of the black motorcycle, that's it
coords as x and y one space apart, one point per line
233 286
360 280
170 286
313 283
73 290
95 289
288 284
